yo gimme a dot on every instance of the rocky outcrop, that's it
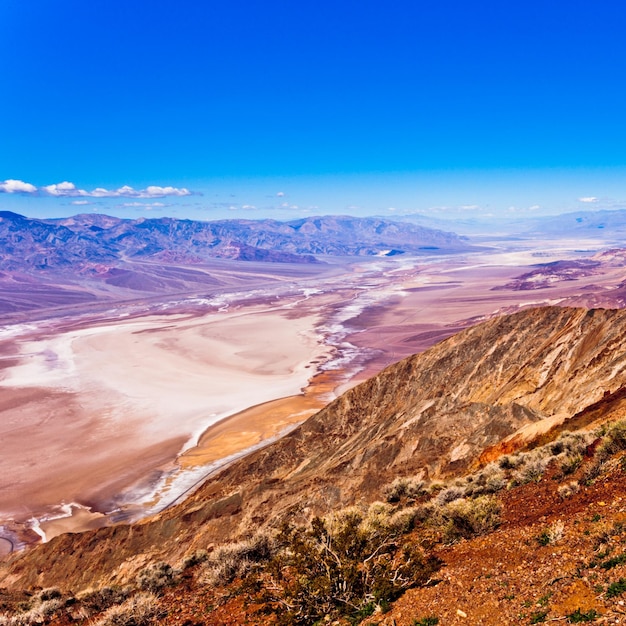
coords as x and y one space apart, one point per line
431 414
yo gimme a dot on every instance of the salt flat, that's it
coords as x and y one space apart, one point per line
124 412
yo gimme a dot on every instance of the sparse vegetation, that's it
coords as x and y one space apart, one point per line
426 621
578 616
568 490
616 589
136 611
344 564
467 517
156 576
402 487
237 560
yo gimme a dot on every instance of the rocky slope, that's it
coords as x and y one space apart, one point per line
431 415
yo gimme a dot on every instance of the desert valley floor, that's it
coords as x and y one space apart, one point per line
115 411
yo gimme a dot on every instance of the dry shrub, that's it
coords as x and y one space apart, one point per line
39 614
467 517
490 479
98 600
345 564
449 494
531 470
614 441
136 611
403 487
568 490
156 576
195 558
236 560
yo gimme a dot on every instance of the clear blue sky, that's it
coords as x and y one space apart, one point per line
326 107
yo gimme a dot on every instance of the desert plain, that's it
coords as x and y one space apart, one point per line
110 413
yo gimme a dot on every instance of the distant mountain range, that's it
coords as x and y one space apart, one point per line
82 241
603 224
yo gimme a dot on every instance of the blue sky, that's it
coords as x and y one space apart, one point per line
211 109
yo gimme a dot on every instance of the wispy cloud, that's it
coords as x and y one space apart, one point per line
80 202
67 189
145 205
16 186
588 199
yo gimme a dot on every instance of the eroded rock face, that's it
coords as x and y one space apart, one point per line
432 413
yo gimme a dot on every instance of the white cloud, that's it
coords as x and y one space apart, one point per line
280 194
67 189
153 191
16 186
144 204
588 199
80 202
63 189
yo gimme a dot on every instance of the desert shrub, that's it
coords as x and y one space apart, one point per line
551 534
509 462
426 621
491 479
403 487
449 494
568 490
236 560
98 600
51 593
156 576
136 611
532 470
570 462
467 517
345 564
613 441
39 614
195 558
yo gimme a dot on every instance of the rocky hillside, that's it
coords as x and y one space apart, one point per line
430 416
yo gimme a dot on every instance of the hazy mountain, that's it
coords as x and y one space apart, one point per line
267 240
57 262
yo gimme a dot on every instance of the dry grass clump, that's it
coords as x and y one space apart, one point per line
235 560
532 469
491 479
193 559
568 490
449 494
98 600
405 487
136 611
156 576
613 441
466 517
44 605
